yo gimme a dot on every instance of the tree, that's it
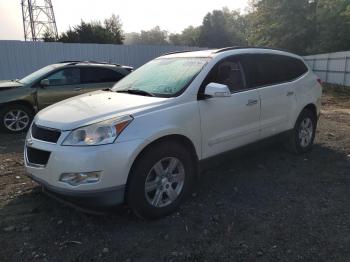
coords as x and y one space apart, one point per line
189 37
113 26
281 24
110 32
222 28
155 36
332 30
49 37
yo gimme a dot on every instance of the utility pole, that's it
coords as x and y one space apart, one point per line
38 20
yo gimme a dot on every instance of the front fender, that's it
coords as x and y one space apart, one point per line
21 94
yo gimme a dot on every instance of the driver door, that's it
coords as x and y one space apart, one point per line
229 122
62 84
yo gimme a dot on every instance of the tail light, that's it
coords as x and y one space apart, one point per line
320 81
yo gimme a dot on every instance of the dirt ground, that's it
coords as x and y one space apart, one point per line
263 205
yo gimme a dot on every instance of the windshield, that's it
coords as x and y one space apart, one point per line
36 75
163 77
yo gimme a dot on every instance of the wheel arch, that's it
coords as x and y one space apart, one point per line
19 102
311 106
183 140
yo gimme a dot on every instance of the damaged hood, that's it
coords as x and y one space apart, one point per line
9 84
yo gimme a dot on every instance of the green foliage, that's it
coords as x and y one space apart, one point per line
333 26
155 36
222 28
188 37
281 24
301 26
110 32
49 37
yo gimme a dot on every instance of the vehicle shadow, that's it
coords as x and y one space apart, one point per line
263 196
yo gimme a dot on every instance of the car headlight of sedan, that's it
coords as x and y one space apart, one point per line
100 133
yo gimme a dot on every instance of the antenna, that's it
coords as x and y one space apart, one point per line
38 19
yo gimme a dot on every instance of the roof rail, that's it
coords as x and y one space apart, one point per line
74 62
69 61
176 52
227 49
246 47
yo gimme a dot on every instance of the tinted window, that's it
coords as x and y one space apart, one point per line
228 72
99 75
67 76
266 69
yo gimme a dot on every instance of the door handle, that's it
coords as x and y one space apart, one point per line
78 89
290 93
252 102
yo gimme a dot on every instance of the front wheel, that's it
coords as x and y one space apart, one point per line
15 118
160 180
301 138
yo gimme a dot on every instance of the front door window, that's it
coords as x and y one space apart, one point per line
67 76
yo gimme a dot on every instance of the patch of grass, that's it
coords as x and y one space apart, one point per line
336 90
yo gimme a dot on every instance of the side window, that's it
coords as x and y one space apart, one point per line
228 72
266 69
99 75
295 68
67 76
261 69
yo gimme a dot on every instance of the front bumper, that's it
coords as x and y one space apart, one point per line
112 161
97 199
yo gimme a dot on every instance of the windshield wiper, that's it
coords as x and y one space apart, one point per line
135 92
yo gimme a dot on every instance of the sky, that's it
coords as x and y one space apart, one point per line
136 15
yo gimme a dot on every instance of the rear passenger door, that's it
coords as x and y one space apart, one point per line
273 76
97 78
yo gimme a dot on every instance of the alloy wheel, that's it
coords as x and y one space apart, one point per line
16 120
164 182
305 132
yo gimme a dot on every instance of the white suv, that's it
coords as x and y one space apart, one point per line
141 142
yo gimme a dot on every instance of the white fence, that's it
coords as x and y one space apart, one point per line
18 58
332 68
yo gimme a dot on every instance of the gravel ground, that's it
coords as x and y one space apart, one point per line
262 205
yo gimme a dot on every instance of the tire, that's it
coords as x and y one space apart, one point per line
154 203
8 115
301 138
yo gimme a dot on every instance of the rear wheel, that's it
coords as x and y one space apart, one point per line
302 136
160 180
15 118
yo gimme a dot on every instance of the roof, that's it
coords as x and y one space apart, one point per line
234 49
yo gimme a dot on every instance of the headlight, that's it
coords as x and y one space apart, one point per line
100 133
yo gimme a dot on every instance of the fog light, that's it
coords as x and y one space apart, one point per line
76 179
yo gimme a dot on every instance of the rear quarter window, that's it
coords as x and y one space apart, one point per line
99 75
270 69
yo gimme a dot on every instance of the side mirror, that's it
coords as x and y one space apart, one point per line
217 90
44 82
